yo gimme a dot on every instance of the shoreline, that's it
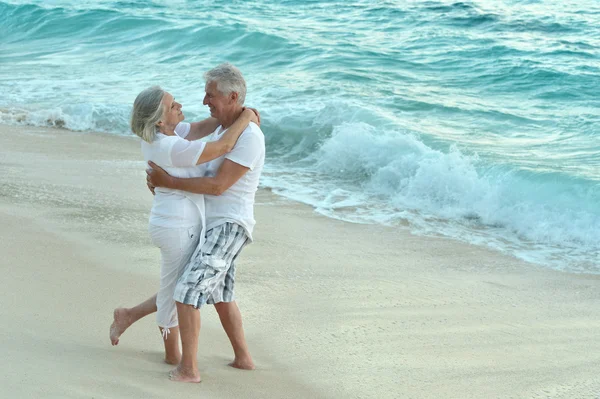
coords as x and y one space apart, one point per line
331 308
583 266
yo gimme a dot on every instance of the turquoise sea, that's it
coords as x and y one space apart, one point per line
477 120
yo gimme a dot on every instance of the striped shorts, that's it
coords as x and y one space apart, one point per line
210 275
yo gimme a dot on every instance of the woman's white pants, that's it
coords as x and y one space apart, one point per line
176 248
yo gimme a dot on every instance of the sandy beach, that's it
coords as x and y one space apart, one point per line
331 309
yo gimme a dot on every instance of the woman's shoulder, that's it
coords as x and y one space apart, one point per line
162 141
159 150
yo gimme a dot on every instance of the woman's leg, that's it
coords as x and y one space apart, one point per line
171 341
176 247
125 317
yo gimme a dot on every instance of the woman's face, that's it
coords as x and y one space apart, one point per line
172 114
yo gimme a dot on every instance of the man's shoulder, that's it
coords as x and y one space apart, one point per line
253 130
249 148
252 136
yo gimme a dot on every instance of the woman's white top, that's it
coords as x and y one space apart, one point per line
179 158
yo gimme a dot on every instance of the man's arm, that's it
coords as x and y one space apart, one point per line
227 175
202 128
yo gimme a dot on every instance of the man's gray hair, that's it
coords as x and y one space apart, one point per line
229 79
147 111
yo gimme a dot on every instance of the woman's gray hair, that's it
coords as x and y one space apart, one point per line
147 111
229 79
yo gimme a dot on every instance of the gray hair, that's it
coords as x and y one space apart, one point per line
229 79
147 111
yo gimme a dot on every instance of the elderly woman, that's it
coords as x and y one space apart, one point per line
177 217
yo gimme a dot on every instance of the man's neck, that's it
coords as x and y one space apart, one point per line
227 121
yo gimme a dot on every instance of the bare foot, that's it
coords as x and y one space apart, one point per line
181 374
243 364
120 324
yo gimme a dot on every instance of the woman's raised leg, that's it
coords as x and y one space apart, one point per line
125 317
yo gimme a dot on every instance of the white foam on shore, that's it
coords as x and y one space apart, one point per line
79 117
361 174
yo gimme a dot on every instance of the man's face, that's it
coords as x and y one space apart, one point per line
219 104
172 114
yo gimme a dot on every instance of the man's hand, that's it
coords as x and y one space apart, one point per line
156 177
256 113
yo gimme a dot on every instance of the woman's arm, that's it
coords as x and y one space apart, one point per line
202 128
215 149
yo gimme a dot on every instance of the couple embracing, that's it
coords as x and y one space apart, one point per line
202 215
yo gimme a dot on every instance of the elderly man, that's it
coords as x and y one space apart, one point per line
230 185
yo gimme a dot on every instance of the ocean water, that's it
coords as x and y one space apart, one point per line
477 120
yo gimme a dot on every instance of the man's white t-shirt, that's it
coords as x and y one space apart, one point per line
236 204
179 157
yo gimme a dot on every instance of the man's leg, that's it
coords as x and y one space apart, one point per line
125 317
189 328
231 319
204 279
